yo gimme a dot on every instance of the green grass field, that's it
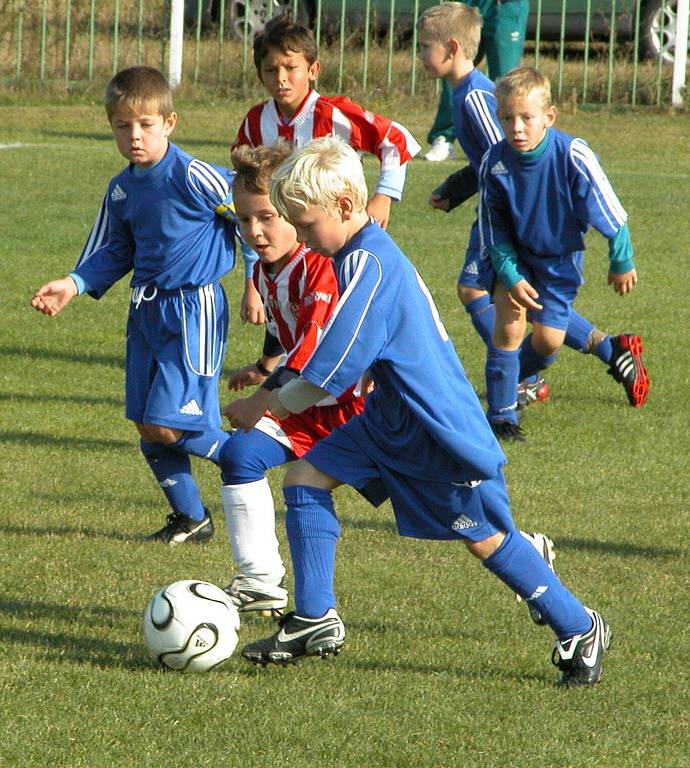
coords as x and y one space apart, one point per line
441 667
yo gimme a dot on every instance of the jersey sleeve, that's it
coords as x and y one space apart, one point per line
595 202
356 331
493 212
481 120
317 302
108 254
249 133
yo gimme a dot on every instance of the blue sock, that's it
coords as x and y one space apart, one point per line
173 471
482 312
577 333
531 361
604 350
206 445
518 564
502 369
312 530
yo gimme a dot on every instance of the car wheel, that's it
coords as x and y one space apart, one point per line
251 16
658 29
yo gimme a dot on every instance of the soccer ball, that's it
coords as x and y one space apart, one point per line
191 626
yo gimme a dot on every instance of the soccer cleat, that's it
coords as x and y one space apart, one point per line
506 430
529 392
626 368
250 594
298 637
580 657
441 149
545 548
179 528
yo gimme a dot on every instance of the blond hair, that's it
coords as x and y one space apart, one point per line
452 21
139 88
319 174
520 82
255 166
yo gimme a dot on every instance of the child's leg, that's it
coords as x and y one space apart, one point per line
248 503
473 280
532 360
205 444
584 337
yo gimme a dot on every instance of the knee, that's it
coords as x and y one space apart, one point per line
304 473
486 547
155 433
467 295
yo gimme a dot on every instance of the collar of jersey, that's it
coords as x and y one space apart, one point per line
533 154
155 171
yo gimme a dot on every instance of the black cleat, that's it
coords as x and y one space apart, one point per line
626 368
251 594
506 430
580 657
180 528
298 637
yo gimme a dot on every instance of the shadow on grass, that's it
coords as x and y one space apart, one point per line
89 358
620 548
108 137
82 443
71 530
67 399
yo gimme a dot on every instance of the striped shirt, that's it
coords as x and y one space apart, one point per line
474 116
320 116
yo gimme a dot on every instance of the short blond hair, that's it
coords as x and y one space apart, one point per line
319 174
520 82
139 88
453 21
255 165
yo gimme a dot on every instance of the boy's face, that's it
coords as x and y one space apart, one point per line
142 137
288 78
434 56
322 232
525 119
264 229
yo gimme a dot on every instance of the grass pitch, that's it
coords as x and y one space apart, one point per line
441 667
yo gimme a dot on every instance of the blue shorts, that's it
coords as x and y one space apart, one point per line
424 509
175 349
477 271
557 281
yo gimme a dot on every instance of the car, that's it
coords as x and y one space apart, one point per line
657 18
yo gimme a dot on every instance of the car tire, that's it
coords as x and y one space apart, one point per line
254 14
655 38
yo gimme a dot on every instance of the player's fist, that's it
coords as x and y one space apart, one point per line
440 203
52 297
249 376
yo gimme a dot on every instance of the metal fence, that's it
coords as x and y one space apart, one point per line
595 51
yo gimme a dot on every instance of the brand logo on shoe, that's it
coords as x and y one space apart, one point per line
463 523
286 637
118 194
191 409
498 169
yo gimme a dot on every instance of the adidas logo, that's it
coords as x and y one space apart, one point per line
191 409
118 194
498 169
200 643
625 364
538 592
464 522
472 268
168 483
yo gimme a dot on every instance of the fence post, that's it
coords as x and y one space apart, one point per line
176 42
680 54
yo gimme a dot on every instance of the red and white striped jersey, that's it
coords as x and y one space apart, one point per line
320 116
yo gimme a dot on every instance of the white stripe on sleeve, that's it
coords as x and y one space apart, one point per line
208 181
478 107
583 158
99 233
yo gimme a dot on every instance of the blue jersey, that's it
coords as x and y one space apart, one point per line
423 418
172 225
543 205
474 116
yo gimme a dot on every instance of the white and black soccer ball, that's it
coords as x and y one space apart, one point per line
191 626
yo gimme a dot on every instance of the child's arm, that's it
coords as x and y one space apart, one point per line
622 274
457 188
52 297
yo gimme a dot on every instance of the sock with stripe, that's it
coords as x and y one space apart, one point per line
173 472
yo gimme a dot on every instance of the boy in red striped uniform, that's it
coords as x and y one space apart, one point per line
286 60
299 292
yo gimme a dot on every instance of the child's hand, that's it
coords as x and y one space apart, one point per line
524 295
244 413
252 307
249 376
379 208
438 202
623 283
54 296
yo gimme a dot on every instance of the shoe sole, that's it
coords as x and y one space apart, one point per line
323 650
640 388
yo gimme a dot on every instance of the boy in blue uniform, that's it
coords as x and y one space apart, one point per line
540 191
448 39
168 219
423 420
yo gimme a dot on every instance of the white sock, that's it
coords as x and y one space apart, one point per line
250 519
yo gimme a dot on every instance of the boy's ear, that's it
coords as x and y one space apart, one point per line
346 207
313 71
551 113
453 47
169 124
